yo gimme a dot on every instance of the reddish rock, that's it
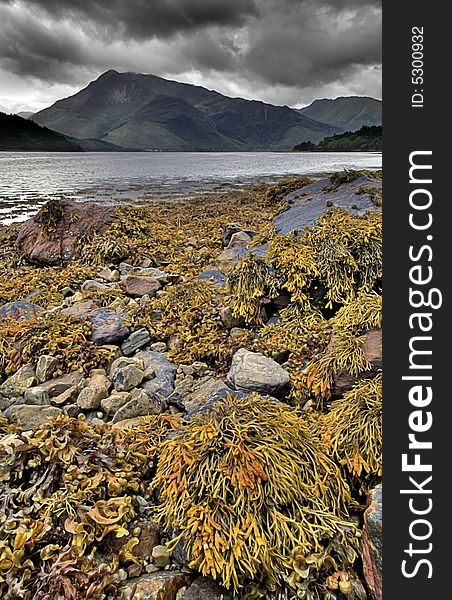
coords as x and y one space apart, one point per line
161 585
372 543
371 346
73 221
80 310
149 538
108 327
137 286
20 310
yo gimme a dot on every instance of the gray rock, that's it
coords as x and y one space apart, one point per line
204 588
233 228
90 397
127 377
213 275
123 361
161 556
135 341
198 394
36 395
57 386
114 402
311 201
46 367
252 371
110 275
227 260
80 310
91 285
20 310
16 385
240 237
31 417
68 395
108 327
140 405
165 372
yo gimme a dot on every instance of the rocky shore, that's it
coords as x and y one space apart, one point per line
190 397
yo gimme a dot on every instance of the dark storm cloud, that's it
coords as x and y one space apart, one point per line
147 18
287 51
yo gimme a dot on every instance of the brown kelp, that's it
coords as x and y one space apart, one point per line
352 431
250 494
68 493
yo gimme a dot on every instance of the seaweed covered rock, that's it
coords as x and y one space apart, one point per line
248 491
372 543
353 191
204 588
50 237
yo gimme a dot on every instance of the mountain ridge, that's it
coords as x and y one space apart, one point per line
348 113
134 110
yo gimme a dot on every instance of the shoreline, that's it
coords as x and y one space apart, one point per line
176 371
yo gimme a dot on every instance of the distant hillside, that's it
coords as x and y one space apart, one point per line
366 139
347 113
17 133
152 113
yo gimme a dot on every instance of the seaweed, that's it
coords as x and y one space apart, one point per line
276 193
352 429
69 490
244 486
49 216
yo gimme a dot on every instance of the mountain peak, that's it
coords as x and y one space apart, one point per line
149 112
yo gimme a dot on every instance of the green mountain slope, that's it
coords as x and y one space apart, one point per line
365 139
347 113
17 133
149 112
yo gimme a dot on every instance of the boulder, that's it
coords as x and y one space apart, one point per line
252 371
239 238
311 201
16 385
46 367
372 543
91 285
136 286
108 327
161 585
232 229
204 588
227 260
52 235
135 341
28 416
20 310
371 345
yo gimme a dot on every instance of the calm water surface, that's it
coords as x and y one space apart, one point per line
27 180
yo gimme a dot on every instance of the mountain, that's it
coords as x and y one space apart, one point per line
17 133
26 114
366 139
151 113
347 113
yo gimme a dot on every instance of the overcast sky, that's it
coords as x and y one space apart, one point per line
279 51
